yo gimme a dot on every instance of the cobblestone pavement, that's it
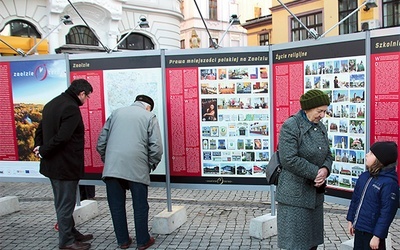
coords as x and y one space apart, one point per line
217 220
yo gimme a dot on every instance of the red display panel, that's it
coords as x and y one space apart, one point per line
385 90
9 149
184 135
93 118
339 70
116 81
218 117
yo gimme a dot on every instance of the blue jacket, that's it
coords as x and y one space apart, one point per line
375 201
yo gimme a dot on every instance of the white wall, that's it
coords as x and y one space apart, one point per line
236 35
108 18
246 9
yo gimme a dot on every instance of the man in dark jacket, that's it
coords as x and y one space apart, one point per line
59 143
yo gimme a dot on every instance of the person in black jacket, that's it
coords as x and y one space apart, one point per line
59 143
375 198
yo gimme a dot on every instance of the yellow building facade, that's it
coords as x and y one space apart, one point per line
22 43
282 27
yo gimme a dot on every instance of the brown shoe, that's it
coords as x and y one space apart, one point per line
126 245
148 244
83 237
77 246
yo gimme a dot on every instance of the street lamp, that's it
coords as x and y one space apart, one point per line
143 23
234 20
368 5
66 20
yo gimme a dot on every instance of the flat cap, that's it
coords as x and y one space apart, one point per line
146 99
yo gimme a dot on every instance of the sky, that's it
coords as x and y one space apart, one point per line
38 81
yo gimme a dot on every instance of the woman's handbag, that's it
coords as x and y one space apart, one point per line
273 169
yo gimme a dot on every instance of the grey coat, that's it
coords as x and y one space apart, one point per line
130 144
303 149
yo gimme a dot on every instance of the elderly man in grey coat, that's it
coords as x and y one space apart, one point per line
130 146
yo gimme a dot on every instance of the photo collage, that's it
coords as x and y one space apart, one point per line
344 81
235 120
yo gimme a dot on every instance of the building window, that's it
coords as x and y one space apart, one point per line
350 25
312 21
182 43
212 10
81 35
391 13
263 39
136 41
20 28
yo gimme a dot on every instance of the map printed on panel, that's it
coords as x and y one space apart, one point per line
122 86
343 79
116 82
234 108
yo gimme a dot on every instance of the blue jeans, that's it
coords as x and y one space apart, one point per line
116 196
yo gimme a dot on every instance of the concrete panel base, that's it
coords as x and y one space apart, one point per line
86 211
166 222
8 205
348 245
263 227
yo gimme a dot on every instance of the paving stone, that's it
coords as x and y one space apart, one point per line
217 219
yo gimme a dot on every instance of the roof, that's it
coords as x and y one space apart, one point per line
257 21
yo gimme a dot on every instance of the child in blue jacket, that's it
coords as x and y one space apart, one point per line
375 198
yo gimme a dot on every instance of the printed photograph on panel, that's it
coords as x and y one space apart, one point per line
209 111
34 83
343 79
210 168
235 113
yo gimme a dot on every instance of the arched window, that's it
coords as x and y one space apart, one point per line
136 41
20 28
81 35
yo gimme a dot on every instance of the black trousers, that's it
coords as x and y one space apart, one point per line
362 239
87 192
64 203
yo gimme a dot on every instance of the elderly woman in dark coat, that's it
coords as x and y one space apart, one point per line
306 159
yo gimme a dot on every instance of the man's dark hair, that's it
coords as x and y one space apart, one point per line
79 85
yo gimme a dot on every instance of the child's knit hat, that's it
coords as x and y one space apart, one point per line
385 151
